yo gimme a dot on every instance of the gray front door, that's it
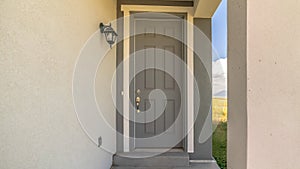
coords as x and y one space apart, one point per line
155 93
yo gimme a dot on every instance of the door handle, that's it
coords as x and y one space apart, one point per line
137 102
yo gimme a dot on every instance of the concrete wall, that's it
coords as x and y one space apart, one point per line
40 42
273 84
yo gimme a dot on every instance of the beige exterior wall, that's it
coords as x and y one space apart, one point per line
264 84
273 84
205 8
40 42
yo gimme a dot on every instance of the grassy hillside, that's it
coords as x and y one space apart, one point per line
220 145
219 110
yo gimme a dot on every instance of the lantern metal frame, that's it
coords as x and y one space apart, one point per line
107 30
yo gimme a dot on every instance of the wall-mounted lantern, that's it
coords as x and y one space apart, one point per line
110 34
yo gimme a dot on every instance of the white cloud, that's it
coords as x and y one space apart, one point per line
219 80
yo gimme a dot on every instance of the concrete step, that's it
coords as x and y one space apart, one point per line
191 166
120 167
143 160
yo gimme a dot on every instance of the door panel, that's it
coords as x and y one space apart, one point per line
156 67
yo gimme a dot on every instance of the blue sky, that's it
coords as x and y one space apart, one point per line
219 42
219 31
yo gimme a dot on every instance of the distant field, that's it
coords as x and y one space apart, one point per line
219 109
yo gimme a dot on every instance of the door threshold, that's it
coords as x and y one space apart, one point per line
157 150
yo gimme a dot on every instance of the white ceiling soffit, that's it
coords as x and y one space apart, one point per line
205 8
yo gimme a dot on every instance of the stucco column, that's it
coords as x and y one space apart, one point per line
237 84
203 151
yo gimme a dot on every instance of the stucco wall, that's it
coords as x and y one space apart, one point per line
273 84
264 84
40 42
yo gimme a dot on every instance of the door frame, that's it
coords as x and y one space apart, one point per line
174 17
188 125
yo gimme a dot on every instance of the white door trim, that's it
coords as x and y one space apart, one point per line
190 65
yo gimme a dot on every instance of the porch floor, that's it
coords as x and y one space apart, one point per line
192 166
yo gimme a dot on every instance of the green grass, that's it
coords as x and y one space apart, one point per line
220 144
